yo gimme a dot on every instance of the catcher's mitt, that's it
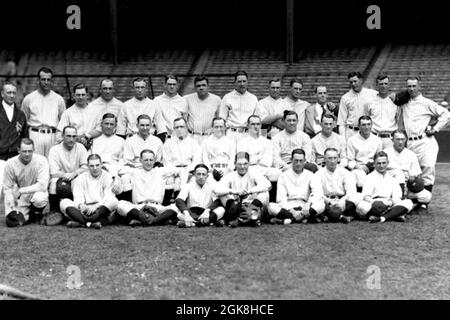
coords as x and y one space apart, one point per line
378 208
416 185
249 214
150 210
401 97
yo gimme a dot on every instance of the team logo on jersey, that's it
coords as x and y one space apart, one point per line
18 127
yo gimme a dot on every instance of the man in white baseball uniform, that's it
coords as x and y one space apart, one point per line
416 116
43 109
218 151
289 139
327 138
299 194
272 108
25 183
383 111
361 148
81 115
171 104
382 195
105 103
404 167
202 107
134 107
315 111
351 106
241 188
295 102
67 160
197 202
180 151
237 106
339 189
93 199
148 186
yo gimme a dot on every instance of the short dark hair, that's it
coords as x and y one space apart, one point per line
380 154
105 79
80 86
242 154
218 118
327 115
26 141
287 113
381 76
320 86
354 74
93 157
6 83
240 73
253 116
68 127
108 116
143 116
45 70
170 76
401 131
201 78
413 78
275 79
201 165
180 118
298 151
139 79
146 151
365 117
295 80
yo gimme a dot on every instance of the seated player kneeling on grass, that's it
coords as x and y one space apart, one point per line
25 184
148 187
299 194
244 193
382 195
339 189
94 203
196 201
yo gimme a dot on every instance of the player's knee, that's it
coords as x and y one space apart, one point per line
64 204
318 206
123 207
40 199
408 204
219 211
363 208
111 203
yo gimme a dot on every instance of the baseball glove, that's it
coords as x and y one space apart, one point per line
250 213
64 189
401 97
150 210
378 208
416 185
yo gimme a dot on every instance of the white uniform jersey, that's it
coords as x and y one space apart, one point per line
252 182
135 144
196 196
299 107
338 183
218 151
384 186
109 148
150 185
271 107
363 150
171 108
351 106
417 114
67 161
236 108
260 150
89 190
83 119
304 186
405 160
284 143
185 152
383 112
320 143
43 110
102 106
132 109
201 112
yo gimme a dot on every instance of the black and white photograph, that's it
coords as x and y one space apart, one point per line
235 152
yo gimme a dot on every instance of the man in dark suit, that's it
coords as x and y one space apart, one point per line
313 113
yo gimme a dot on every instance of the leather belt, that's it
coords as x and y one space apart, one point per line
335 197
43 130
148 202
353 128
416 138
383 135
198 133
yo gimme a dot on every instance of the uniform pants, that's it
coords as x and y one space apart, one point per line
125 206
109 202
426 150
37 199
364 206
274 208
42 141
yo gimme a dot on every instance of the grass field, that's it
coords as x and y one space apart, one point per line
326 261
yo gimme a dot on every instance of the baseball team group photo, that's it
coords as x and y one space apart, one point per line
225 173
